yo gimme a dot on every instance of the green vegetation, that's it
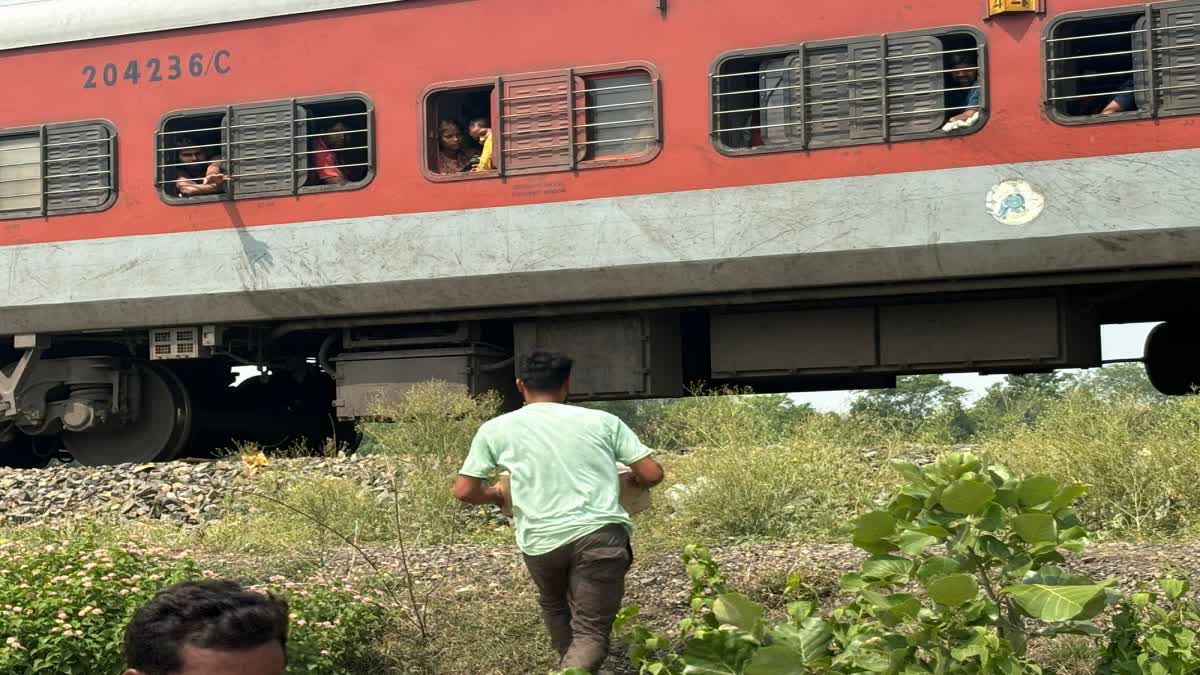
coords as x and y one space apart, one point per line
966 570
741 469
64 605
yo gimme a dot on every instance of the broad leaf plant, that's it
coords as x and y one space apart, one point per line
966 564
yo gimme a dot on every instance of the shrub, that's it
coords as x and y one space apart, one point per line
807 489
1155 632
1141 460
724 418
966 568
64 607
433 419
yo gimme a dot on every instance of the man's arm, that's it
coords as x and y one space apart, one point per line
471 490
214 180
646 472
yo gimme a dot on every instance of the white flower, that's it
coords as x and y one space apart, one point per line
13 643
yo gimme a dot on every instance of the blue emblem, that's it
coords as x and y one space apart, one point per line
1013 204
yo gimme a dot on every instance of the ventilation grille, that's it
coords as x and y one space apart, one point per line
174 343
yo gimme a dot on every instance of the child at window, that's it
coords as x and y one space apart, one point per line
481 132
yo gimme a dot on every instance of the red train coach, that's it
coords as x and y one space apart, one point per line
357 195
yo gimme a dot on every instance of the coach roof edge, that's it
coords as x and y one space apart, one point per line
32 23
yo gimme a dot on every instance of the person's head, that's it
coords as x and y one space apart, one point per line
336 135
208 628
478 128
544 376
188 152
450 136
964 69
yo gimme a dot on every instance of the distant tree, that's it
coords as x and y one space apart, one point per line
1119 381
915 401
1018 399
781 412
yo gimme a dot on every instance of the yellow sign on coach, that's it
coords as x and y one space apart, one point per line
1011 6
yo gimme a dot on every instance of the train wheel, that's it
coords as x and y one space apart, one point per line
28 452
159 433
1172 364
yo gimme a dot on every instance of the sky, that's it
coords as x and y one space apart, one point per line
1119 341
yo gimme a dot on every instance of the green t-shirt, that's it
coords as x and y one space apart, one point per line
562 460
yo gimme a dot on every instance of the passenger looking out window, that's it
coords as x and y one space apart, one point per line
327 159
198 172
963 97
453 156
480 130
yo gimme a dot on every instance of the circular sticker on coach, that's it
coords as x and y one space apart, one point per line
1015 202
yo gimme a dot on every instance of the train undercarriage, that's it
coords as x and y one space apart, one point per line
167 393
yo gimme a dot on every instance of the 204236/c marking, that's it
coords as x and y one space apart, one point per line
155 69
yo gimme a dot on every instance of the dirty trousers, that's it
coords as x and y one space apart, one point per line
580 585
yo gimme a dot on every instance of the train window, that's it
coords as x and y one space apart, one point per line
621 119
559 120
1129 63
451 152
266 149
57 169
876 89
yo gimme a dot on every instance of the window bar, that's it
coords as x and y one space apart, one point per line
571 118
42 170
228 156
295 178
656 96
803 70
498 142
981 71
1149 47
714 105
112 162
883 87
370 140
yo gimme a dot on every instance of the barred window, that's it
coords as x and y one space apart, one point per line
850 92
1132 62
267 149
551 121
57 169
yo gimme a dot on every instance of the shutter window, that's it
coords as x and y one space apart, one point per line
261 150
78 168
57 169
270 149
1130 62
537 129
845 92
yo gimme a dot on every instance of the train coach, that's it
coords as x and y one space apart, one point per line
356 195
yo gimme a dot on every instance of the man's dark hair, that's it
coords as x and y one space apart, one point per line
480 122
545 371
206 614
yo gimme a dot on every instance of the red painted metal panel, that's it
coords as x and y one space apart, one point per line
443 41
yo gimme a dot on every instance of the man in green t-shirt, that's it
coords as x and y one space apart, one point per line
565 494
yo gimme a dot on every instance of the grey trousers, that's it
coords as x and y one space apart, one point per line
580 586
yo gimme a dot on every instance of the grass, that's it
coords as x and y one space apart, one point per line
1140 460
750 470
